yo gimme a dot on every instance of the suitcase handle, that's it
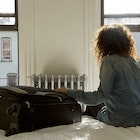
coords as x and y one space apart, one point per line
55 96
49 95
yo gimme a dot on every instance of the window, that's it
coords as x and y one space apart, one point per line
8 42
122 11
125 12
8 15
6 49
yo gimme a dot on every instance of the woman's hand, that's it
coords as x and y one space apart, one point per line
62 89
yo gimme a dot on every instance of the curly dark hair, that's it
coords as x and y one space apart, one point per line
114 39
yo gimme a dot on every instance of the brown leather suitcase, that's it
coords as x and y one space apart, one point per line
25 109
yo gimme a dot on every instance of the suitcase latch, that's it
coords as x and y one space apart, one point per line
28 104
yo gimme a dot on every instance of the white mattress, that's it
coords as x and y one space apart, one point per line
87 129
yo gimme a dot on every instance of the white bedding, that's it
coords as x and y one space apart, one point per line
87 129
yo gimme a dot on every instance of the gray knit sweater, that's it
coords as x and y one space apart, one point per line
119 90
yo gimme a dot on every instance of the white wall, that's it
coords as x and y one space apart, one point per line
61 28
55 37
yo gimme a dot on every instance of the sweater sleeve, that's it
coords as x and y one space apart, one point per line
107 76
104 89
89 98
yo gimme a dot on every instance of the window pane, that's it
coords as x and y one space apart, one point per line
7 20
6 55
7 6
121 7
136 37
126 21
9 57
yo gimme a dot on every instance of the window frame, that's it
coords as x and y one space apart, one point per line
132 27
10 27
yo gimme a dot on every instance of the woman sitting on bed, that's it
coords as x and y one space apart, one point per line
119 87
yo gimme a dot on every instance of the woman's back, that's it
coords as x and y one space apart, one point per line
123 101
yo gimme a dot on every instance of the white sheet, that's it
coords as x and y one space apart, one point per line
87 129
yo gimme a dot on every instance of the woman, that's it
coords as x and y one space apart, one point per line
119 87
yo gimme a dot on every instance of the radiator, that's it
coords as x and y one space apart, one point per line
53 81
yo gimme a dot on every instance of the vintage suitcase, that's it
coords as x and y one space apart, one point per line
27 108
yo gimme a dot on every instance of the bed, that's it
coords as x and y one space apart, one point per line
87 129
